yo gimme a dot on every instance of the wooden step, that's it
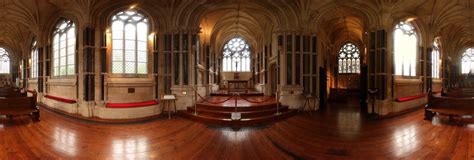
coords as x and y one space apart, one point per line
243 94
212 107
237 123
244 114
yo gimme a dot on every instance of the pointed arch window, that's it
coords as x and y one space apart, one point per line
468 61
435 61
64 48
236 56
405 49
34 60
4 61
349 59
129 43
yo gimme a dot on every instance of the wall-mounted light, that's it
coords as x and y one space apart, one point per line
151 37
133 6
410 19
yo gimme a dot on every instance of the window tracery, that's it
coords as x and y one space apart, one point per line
236 56
34 60
435 61
64 48
4 61
129 43
468 61
405 49
349 59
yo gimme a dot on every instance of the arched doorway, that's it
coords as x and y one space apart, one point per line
236 65
350 77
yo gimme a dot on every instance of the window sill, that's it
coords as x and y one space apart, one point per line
128 75
235 72
62 81
413 81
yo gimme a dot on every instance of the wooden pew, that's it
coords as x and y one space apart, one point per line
460 93
20 106
449 106
11 92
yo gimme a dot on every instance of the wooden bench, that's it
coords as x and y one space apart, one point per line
12 93
460 93
20 106
449 106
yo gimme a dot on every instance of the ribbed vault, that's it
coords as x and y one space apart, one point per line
451 20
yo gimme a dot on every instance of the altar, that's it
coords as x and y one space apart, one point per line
237 86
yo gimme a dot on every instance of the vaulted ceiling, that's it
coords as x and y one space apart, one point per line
256 20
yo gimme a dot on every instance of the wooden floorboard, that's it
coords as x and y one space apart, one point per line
340 132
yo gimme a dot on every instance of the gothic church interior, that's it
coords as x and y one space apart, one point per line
236 79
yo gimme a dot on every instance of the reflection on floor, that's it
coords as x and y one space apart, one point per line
339 132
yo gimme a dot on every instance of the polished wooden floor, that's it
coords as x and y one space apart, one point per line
340 132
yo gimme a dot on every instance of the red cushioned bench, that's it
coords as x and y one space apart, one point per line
409 98
132 105
70 101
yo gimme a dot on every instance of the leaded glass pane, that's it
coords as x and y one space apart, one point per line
117 55
236 56
117 67
62 61
116 27
349 59
117 44
435 61
56 71
70 69
468 61
71 50
70 60
141 46
130 56
141 56
129 34
64 41
405 49
56 62
142 68
130 45
129 67
62 70
4 61
34 60
142 31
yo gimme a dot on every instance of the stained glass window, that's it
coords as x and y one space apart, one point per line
468 61
129 43
405 49
435 61
236 56
349 59
4 61
64 48
34 60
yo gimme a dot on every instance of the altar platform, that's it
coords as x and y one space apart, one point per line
238 110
